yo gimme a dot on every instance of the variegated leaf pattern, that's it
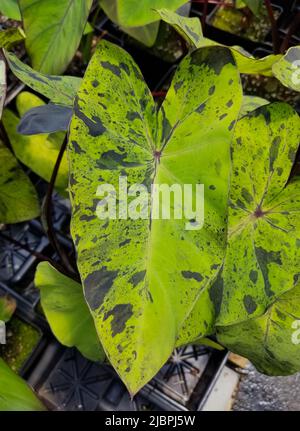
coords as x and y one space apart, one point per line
270 341
263 253
143 277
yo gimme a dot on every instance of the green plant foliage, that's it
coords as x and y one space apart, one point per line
18 197
15 394
67 312
263 253
135 13
141 280
189 28
145 34
7 307
38 152
250 103
59 89
287 69
254 5
52 39
10 8
10 37
193 34
270 341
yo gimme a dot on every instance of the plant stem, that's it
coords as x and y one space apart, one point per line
275 34
38 255
47 210
204 14
292 28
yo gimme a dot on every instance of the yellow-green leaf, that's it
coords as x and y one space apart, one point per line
15 394
272 341
263 253
143 279
67 312
53 31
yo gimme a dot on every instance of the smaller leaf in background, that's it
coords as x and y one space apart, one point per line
189 28
135 13
192 32
263 253
7 307
38 152
250 103
272 341
145 34
15 394
59 89
67 312
10 37
53 38
254 5
287 69
45 119
18 197
10 8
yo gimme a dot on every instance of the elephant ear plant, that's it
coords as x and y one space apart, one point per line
143 277
149 283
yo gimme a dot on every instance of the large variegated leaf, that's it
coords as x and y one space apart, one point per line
271 341
59 89
18 198
52 39
142 278
38 152
67 312
15 394
192 32
263 253
287 69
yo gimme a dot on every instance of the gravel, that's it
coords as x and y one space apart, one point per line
258 392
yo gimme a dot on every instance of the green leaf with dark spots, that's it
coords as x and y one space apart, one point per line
262 257
53 38
67 312
7 307
15 394
192 32
59 89
189 28
18 197
38 152
271 341
11 36
287 69
146 281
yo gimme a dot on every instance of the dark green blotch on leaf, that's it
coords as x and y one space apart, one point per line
121 313
97 285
